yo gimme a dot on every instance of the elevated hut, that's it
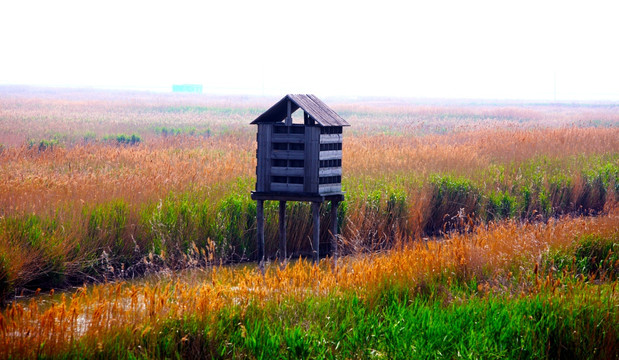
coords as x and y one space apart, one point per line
299 162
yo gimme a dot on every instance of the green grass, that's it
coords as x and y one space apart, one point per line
391 323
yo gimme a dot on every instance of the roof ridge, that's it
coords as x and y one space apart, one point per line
311 104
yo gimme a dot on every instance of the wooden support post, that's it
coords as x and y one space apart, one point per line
316 232
289 114
334 206
282 231
260 228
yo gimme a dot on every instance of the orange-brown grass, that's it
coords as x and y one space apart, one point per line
383 142
37 182
493 256
469 152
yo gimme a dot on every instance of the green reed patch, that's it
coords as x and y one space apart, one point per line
390 324
590 256
454 202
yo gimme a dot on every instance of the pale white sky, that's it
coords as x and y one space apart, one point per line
429 49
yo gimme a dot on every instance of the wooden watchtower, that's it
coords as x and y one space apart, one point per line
299 162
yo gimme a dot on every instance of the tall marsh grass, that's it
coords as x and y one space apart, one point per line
86 209
498 291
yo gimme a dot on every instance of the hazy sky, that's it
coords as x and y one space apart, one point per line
455 49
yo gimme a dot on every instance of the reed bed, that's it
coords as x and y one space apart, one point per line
81 200
506 260
452 212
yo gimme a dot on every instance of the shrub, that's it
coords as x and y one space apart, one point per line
123 139
43 145
89 137
500 205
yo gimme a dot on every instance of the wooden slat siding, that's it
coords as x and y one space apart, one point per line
330 155
264 157
312 149
288 171
316 109
288 138
288 154
330 171
330 138
287 187
326 189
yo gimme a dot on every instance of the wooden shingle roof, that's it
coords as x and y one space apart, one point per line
313 106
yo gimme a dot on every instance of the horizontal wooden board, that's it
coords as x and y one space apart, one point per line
332 171
288 171
330 138
287 187
329 188
288 154
288 138
328 155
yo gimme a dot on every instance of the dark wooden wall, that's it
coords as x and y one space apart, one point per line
299 159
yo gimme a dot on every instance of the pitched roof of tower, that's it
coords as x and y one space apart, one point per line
313 106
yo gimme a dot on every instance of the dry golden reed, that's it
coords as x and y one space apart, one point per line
48 326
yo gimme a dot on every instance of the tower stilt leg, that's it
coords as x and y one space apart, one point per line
316 232
282 231
260 230
334 245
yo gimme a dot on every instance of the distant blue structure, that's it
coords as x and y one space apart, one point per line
187 88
